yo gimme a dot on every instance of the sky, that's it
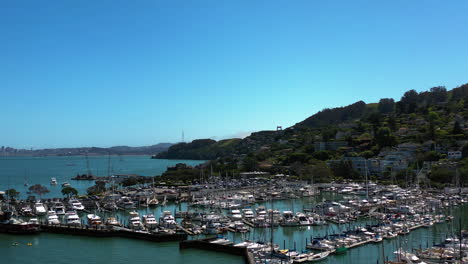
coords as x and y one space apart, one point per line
111 72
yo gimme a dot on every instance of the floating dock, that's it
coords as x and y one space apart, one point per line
104 232
228 249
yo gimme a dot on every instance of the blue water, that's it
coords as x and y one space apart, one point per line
58 249
16 171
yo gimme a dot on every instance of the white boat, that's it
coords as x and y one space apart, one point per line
303 219
53 181
153 202
150 221
26 210
407 257
112 221
248 214
39 208
125 203
318 257
221 241
94 220
167 220
134 221
72 219
236 214
59 208
240 227
33 221
52 218
76 205
66 184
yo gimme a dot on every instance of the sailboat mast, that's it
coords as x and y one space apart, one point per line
367 183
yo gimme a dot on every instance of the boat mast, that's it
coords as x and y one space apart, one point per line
367 183
271 221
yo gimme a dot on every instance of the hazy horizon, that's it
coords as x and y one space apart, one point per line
112 73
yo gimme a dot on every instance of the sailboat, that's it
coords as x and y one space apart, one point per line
153 201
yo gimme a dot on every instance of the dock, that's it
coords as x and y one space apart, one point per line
205 244
105 232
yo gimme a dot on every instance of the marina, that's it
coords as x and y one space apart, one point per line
234 132
329 223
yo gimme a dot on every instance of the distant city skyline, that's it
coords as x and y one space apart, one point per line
107 73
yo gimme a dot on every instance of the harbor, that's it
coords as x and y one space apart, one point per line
284 222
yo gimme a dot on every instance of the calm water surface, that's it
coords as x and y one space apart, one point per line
16 171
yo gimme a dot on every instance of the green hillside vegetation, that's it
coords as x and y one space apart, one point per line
200 149
434 119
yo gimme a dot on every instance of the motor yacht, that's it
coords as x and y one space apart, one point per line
134 221
53 181
167 220
59 208
52 218
150 221
72 218
39 209
94 220
112 221
125 203
76 205
153 202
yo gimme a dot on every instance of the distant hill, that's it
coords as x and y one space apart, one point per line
117 150
200 149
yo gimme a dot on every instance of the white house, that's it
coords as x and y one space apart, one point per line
454 154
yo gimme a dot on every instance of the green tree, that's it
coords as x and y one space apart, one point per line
12 193
442 176
69 191
99 188
465 151
392 123
318 172
344 170
409 101
322 155
249 164
384 137
433 118
38 189
386 105
439 94
457 130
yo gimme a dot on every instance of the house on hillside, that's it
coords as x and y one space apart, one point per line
456 154
329 145
408 147
395 160
360 164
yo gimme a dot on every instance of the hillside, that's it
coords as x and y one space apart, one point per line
395 138
200 149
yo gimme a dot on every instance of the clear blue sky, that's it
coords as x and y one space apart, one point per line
103 73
